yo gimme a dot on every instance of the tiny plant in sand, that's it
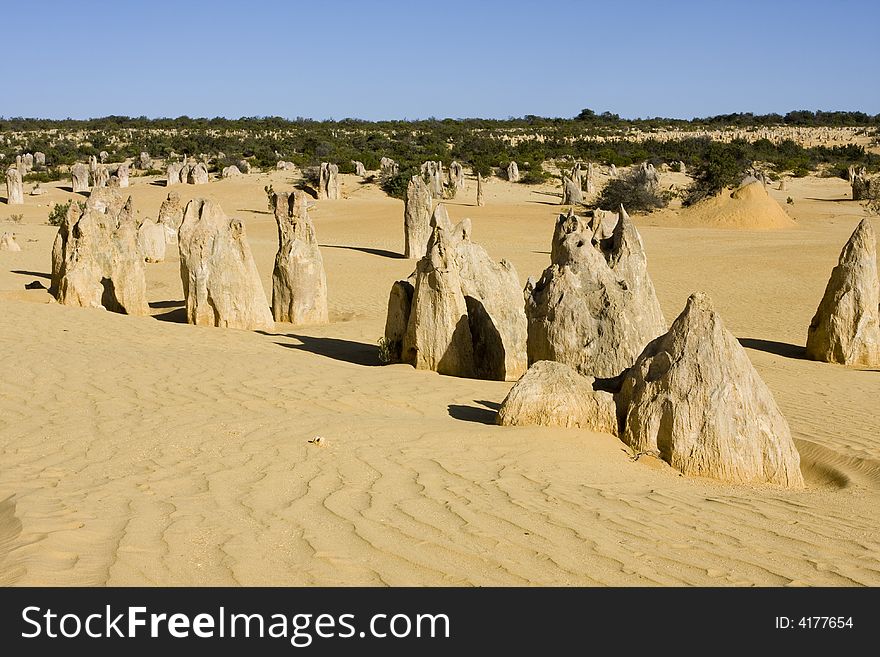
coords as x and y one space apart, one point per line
384 351
16 218
789 200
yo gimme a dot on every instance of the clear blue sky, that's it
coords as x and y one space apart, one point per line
445 58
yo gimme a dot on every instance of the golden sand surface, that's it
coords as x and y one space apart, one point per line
144 451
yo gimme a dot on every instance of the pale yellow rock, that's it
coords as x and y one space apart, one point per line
554 395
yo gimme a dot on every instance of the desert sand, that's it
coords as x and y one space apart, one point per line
143 451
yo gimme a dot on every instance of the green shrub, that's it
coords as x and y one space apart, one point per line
800 172
396 185
58 213
723 166
535 174
631 191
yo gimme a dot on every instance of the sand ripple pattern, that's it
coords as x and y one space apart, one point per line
183 458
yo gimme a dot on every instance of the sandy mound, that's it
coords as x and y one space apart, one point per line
749 207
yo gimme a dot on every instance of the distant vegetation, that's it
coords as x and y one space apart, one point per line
482 145
631 191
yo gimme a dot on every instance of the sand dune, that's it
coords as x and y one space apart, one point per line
145 451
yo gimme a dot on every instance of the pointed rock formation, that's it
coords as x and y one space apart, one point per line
388 166
456 270
144 161
171 216
14 189
79 176
172 174
694 398
98 262
397 319
328 185
554 395
220 280
299 285
513 172
230 172
456 175
152 240
432 172
846 326
122 172
480 202
198 174
438 336
416 218
496 316
8 243
595 307
571 192
100 176
359 168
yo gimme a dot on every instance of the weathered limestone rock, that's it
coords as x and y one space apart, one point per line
862 186
681 167
93 164
14 189
152 240
612 171
185 168
144 161
220 280
98 260
359 168
389 167
171 216
595 307
513 172
328 185
554 395
27 162
590 182
299 284
8 243
230 172
494 301
198 174
846 326
397 319
40 160
103 155
438 335
244 166
285 166
493 309
440 217
416 218
172 174
576 175
571 192
37 190
79 176
432 172
100 176
480 201
694 398
122 172
456 175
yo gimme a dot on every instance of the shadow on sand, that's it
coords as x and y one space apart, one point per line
365 249
24 272
797 352
177 315
484 415
357 353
